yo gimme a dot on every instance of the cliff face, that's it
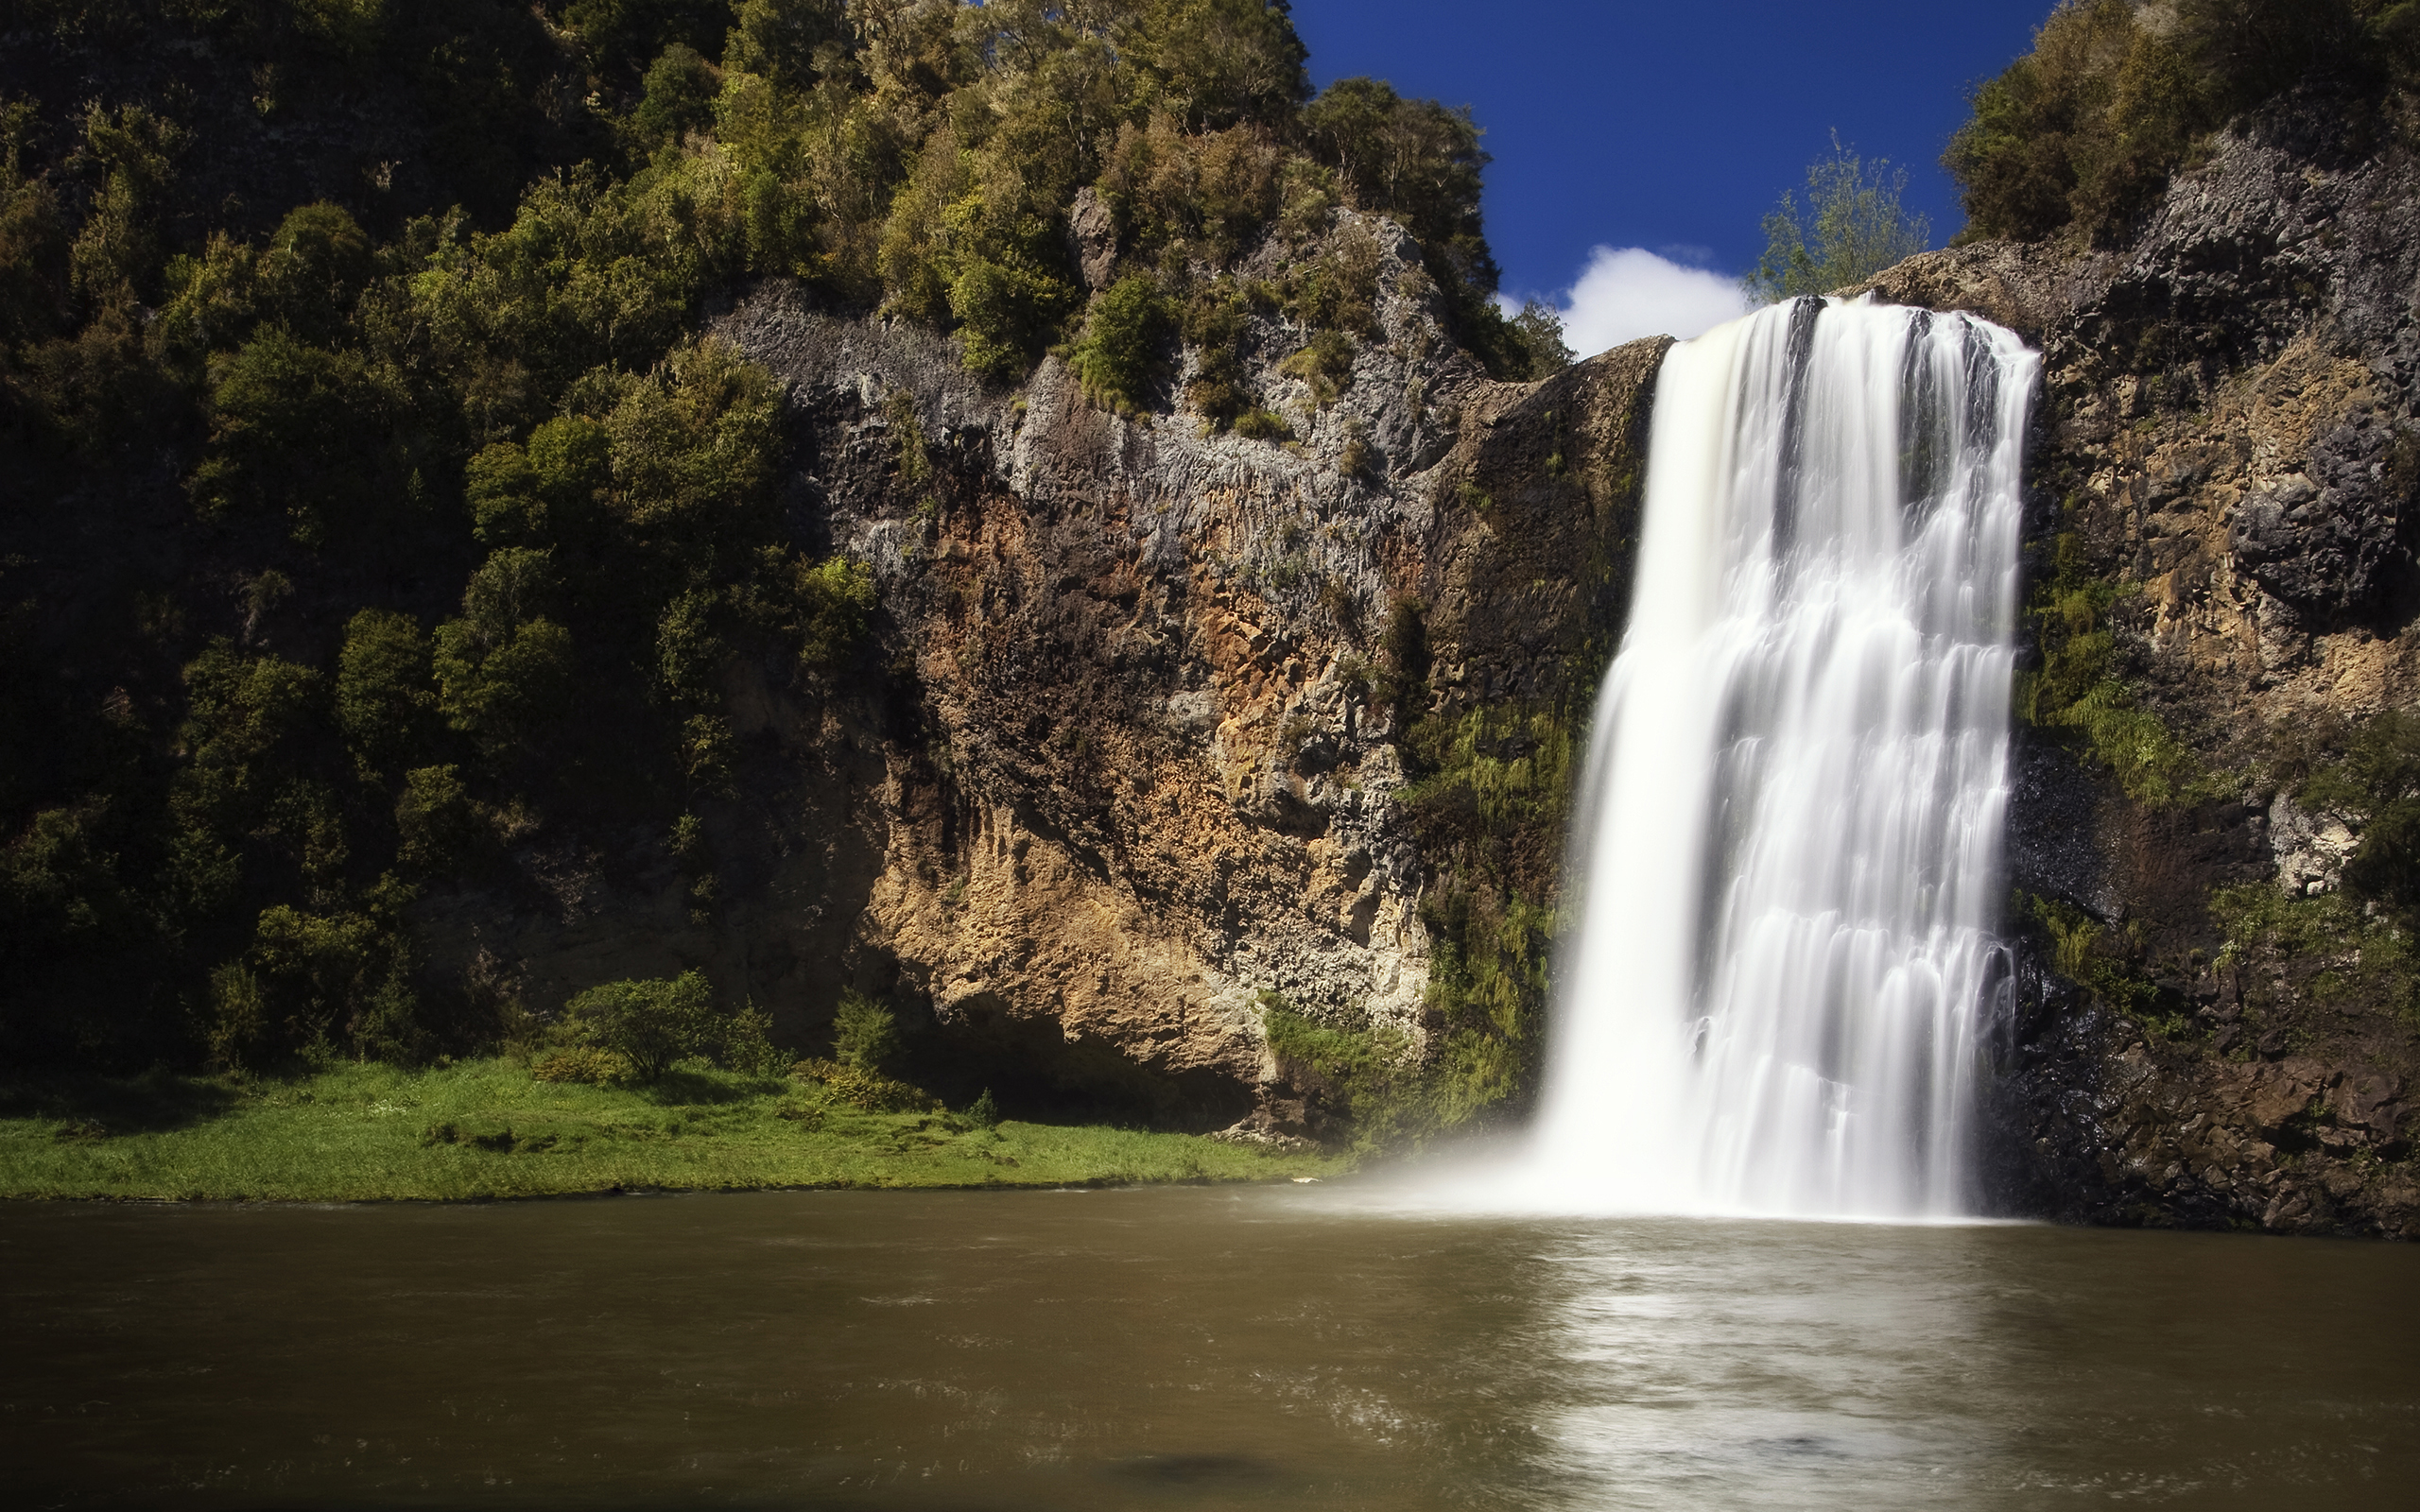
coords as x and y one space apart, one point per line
1164 721
2207 1029
1169 727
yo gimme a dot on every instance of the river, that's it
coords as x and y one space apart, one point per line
1187 1348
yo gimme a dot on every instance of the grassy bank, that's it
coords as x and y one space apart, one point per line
485 1128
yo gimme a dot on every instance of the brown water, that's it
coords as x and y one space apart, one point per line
1182 1349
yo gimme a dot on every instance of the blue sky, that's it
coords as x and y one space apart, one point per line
1674 128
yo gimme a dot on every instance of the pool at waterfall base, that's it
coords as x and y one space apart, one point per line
1185 1348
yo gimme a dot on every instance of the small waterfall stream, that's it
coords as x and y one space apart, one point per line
1786 860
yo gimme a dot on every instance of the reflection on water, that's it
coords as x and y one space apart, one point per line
1186 1349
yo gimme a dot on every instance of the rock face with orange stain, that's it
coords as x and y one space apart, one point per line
1128 750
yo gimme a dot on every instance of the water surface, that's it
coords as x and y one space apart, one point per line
1182 1349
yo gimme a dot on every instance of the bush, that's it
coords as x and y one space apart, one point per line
585 1065
865 1034
383 701
821 608
678 96
318 976
437 826
867 1090
2081 688
651 1024
1415 160
504 672
1325 365
1851 228
316 264
299 430
747 1042
1123 351
1539 329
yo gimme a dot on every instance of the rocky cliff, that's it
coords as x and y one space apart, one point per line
1169 727
2208 1027
1173 727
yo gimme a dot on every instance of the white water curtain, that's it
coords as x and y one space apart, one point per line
1786 862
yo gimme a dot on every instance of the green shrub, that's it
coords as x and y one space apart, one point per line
1539 328
1257 424
316 264
984 1113
678 96
305 432
1418 160
584 1065
1006 309
621 35
746 1043
318 978
1496 768
865 1034
383 701
129 152
1851 228
238 1022
651 1024
2099 960
866 1089
1124 346
504 672
2363 960
1338 292
1487 983
439 829
1215 326
1326 363
1179 195
33 236
502 489
244 790
821 608
780 39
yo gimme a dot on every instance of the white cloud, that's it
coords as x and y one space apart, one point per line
1628 292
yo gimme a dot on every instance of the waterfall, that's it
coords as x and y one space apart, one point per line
1787 856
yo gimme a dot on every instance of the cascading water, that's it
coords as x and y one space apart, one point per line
1788 850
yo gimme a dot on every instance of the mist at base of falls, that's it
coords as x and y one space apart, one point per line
1785 877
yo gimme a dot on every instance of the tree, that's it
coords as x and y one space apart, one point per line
1124 343
1539 327
1851 228
503 671
680 97
654 1026
383 696
865 1034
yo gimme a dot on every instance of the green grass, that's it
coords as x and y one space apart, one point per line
484 1129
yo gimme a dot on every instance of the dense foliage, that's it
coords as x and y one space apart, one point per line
1850 227
377 506
2082 132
